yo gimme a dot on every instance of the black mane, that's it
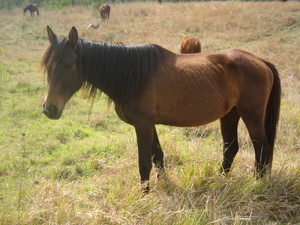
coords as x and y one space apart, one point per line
120 71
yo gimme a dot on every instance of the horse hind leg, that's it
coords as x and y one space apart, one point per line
229 125
157 154
255 124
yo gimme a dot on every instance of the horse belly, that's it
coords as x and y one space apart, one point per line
187 110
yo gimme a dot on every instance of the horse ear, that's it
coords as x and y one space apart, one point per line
51 36
73 37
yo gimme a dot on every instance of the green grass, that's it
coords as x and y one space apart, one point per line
82 169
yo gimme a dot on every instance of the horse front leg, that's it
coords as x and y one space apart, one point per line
144 133
158 155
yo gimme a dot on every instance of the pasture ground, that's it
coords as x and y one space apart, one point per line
82 169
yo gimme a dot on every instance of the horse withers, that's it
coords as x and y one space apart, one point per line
32 8
150 85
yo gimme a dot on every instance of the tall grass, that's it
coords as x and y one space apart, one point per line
82 169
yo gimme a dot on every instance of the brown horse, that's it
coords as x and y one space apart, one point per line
150 85
32 8
104 11
190 45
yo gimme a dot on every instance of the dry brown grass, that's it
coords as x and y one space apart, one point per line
80 171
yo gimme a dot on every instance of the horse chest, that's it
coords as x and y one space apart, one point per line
122 114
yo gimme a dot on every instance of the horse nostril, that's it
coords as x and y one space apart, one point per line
52 110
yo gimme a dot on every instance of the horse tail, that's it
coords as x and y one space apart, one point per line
273 110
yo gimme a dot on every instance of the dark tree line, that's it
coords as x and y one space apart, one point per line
9 4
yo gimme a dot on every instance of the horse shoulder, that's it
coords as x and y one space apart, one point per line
142 108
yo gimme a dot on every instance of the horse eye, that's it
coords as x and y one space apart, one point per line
69 64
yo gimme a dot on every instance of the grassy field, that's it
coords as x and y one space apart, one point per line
82 169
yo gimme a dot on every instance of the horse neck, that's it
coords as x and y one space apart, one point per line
94 65
118 71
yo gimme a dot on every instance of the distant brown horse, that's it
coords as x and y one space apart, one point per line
104 11
150 85
159 1
190 45
32 8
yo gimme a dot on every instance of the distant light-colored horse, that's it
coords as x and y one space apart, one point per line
104 11
190 45
32 8
92 26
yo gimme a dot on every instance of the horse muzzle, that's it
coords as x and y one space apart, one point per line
51 111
